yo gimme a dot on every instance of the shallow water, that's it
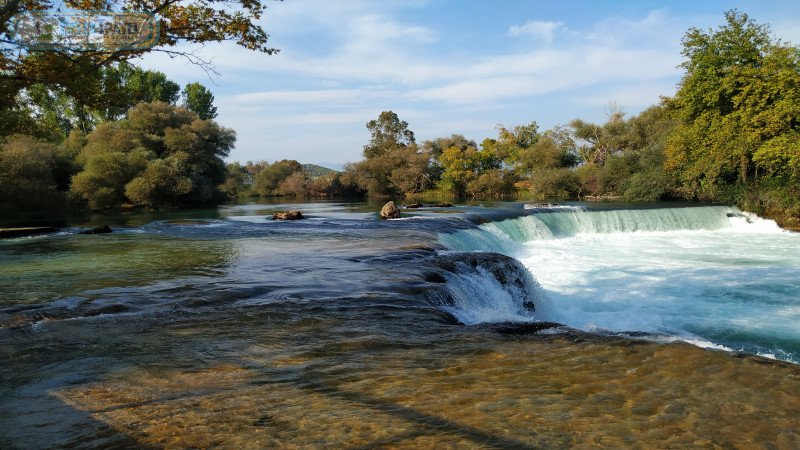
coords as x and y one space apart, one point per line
343 331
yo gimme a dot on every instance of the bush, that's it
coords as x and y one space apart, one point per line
555 184
26 176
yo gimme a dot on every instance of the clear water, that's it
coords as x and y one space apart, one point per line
226 329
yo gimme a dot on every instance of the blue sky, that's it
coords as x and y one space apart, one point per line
447 67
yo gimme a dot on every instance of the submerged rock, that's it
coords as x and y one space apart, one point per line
390 211
414 206
441 205
105 229
287 215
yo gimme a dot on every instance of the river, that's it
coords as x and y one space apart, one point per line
486 325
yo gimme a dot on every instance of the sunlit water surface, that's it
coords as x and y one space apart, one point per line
343 331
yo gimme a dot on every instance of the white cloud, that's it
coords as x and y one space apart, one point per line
342 63
542 30
341 96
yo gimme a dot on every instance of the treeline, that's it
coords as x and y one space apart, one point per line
149 143
286 178
730 134
622 158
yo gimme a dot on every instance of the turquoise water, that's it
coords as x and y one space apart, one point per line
227 329
713 276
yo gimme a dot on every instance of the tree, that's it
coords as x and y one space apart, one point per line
200 100
27 183
237 181
387 133
102 182
601 141
738 109
164 183
393 165
79 72
161 156
295 185
269 179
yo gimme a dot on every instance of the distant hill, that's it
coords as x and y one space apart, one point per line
314 171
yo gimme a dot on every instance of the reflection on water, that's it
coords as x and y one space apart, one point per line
241 332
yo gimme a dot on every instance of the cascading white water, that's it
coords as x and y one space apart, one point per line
711 275
483 288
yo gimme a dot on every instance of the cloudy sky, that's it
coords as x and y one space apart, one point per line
447 66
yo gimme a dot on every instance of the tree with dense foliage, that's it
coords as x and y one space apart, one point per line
27 176
160 156
79 73
393 164
199 99
470 171
268 180
738 110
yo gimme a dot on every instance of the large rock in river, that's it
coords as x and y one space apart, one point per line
287 215
390 211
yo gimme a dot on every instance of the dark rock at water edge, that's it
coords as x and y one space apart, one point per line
441 205
287 215
414 206
390 211
105 229
24 231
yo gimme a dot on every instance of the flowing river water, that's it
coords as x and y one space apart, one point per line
482 326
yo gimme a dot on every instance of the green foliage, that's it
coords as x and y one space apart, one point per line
627 160
101 183
268 180
393 164
164 183
387 133
161 156
492 183
237 181
80 72
199 99
552 149
473 172
27 182
739 111
554 183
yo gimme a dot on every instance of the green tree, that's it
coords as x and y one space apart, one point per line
268 180
393 163
237 181
738 109
387 133
134 159
200 100
27 183
164 183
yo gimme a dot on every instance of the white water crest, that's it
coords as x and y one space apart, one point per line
702 274
483 288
